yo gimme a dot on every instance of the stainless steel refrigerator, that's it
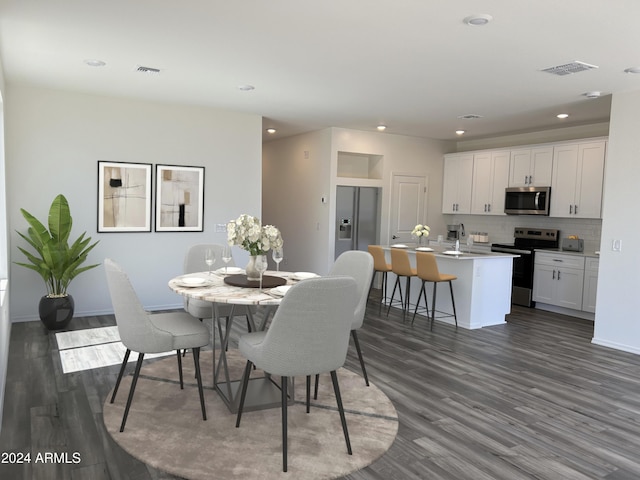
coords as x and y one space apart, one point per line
357 217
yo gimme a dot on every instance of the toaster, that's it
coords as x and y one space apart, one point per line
572 245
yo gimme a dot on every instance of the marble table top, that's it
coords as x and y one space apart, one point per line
215 290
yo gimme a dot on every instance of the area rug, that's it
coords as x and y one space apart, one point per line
165 427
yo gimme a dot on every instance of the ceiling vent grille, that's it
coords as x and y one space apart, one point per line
470 116
569 68
148 70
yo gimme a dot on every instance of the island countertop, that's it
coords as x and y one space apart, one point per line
482 289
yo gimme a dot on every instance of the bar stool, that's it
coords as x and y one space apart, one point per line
401 266
379 265
427 269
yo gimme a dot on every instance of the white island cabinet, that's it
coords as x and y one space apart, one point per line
482 291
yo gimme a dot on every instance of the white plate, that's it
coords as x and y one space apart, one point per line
193 282
304 275
424 249
399 245
280 291
229 271
452 252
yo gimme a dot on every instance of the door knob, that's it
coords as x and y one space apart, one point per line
394 237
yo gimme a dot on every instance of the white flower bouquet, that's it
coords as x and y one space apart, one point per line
247 232
421 231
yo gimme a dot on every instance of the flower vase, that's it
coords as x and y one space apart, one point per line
252 270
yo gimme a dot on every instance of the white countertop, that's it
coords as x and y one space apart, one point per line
439 251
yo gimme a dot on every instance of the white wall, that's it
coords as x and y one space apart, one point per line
617 323
5 322
54 140
294 186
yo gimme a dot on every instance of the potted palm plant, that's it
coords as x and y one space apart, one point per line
55 261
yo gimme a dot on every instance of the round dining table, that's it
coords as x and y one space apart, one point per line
232 288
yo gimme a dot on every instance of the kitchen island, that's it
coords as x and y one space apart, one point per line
482 290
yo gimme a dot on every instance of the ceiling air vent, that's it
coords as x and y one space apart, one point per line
148 70
569 68
470 116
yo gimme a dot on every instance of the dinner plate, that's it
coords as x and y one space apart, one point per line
280 291
193 282
424 249
229 270
452 252
399 245
304 275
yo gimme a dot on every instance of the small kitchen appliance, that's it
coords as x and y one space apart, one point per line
453 232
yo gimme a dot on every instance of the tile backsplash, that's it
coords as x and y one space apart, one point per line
500 228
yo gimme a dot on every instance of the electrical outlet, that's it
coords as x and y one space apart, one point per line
221 227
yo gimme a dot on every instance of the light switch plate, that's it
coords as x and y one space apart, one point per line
616 246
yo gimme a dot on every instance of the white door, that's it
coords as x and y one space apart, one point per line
408 206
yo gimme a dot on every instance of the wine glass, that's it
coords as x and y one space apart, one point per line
469 242
226 256
277 255
209 258
261 267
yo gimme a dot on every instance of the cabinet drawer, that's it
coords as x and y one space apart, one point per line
591 264
559 260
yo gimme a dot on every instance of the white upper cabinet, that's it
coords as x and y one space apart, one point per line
456 191
490 178
578 174
531 167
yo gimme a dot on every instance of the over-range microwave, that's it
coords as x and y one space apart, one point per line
527 200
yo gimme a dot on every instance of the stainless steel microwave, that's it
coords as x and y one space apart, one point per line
527 200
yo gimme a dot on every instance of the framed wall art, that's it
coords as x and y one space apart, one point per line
179 198
124 197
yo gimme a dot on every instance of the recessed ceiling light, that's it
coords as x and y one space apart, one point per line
562 115
94 63
459 132
271 130
381 128
478 20
246 87
632 70
592 94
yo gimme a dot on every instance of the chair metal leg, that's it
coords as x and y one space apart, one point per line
398 284
360 357
315 388
426 305
284 381
309 393
122 367
196 362
180 369
453 304
243 393
407 295
132 390
433 305
336 389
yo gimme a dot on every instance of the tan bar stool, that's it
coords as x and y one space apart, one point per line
401 266
379 265
427 269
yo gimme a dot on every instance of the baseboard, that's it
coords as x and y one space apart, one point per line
616 346
95 313
566 311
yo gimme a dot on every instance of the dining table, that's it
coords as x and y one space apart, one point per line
229 285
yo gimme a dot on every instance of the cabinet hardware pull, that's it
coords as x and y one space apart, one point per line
553 277
570 209
489 208
558 274
575 209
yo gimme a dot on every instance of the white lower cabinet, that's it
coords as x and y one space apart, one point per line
558 279
590 284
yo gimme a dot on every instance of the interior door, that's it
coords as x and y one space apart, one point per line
408 206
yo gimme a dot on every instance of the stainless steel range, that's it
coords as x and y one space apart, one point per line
526 240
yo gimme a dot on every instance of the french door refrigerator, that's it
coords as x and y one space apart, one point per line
357 217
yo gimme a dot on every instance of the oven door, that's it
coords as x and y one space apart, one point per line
522 277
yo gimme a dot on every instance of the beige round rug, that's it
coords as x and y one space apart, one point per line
165 427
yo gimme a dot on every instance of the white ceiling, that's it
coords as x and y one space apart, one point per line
413 65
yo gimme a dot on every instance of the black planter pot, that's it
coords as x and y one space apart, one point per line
56 312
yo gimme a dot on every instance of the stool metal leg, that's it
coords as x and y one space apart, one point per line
433 305
453 304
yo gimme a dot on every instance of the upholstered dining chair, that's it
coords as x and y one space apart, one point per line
427 270
200 309
309 334
359 266
143 332
379 265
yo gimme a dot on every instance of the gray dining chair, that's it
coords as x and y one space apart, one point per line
309 334
200 309
359 266
143 332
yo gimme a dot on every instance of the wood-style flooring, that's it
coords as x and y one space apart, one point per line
530 399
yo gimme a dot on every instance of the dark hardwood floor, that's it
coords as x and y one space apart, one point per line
530 399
